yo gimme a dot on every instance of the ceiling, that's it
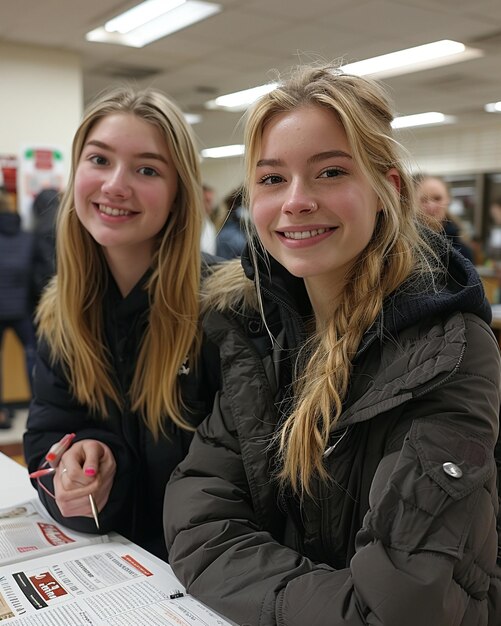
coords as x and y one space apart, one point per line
243 45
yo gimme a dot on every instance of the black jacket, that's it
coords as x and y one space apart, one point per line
134 508
405 532
451 231
16 267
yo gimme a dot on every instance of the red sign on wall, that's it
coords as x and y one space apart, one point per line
44 159
8 172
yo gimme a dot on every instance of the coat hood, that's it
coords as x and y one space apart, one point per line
461 291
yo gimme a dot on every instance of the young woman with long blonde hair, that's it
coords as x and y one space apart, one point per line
347 472
120 360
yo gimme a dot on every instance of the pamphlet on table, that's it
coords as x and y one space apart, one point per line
50 575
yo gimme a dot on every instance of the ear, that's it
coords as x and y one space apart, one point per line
394 177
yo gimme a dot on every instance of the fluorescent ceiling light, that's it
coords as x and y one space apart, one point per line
192 118
436 54
235 101
152 20
223 151
493 107
422 119
427 56
140 15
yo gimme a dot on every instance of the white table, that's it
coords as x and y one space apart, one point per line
15 488
15 485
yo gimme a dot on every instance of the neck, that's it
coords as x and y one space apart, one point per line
127 270
324 297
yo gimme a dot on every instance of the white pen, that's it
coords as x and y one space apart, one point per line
94 510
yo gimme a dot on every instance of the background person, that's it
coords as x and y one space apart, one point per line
208 237
16 306
120 362
231 238
346 474
434 197
45 206
494 240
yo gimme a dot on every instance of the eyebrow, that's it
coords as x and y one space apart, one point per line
141 155
321 156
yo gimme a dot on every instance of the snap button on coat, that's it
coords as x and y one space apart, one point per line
452 469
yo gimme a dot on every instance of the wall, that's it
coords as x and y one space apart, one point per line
42 97
224 175
447 150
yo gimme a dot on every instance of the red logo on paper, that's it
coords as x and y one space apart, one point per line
27 548
47 586
53 534
141 568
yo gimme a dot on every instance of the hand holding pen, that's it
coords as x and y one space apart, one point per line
83 475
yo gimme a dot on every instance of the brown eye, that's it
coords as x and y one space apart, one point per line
97 159
148 171
270 179
332 172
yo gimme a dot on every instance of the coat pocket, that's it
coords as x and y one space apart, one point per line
440 483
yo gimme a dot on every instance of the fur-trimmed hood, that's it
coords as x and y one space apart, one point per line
226 287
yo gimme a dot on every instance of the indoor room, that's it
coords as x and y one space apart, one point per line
250 312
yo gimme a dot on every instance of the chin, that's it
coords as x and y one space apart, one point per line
300 271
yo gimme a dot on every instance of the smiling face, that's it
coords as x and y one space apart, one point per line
313 209
125 185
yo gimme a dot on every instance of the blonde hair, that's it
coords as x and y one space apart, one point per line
69 316
395 251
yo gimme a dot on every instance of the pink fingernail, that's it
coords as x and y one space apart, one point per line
90 471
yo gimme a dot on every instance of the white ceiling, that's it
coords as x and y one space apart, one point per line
241 46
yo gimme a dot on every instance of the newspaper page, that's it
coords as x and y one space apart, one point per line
113 584
27 530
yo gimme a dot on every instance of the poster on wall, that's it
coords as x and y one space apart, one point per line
40 167
8 179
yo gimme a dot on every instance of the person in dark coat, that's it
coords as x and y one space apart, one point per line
121 360
231 238
45 206
16 267
347 472
434 197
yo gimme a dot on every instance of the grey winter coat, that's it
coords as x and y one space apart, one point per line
405 533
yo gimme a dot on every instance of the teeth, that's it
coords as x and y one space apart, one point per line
114 212
304 234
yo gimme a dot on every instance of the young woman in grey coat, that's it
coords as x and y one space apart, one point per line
347 472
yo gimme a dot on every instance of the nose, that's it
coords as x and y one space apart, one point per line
116 183
299 201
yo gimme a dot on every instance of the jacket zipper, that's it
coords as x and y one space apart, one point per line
330 449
